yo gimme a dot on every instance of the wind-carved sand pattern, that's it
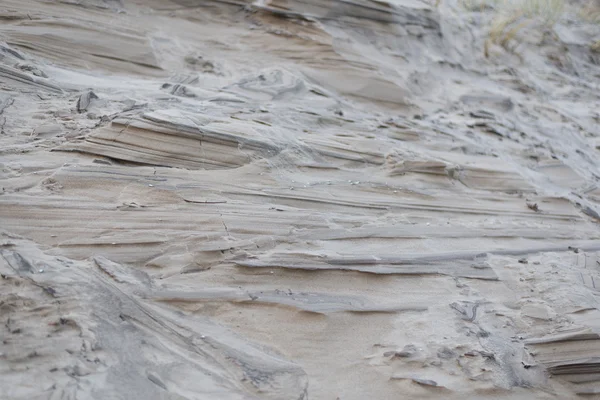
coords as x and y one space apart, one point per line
295 200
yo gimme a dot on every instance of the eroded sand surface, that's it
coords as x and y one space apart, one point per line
295 199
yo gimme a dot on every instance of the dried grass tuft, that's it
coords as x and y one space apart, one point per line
512 16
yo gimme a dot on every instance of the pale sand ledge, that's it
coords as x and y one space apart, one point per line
304 199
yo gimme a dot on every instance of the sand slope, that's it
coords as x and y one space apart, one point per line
299 199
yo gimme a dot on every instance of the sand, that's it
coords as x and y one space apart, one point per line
295 199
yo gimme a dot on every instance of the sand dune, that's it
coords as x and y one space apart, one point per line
296 199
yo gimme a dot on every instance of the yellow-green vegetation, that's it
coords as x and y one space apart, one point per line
512 16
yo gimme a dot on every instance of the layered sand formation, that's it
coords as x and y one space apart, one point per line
301 199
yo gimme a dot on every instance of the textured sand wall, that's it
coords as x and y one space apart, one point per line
301 199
